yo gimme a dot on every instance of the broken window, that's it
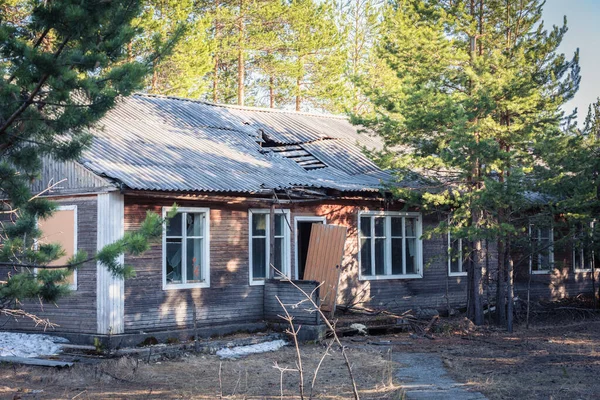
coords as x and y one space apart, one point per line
185 249
390 245
260 244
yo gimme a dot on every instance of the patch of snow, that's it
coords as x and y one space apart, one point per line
13 344
240 351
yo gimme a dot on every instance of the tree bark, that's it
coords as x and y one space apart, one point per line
298 97
510 289
241 61
271 92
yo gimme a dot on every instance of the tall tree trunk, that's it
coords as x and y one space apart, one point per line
271 91
510 288
500 285
298 94
215 83
241 61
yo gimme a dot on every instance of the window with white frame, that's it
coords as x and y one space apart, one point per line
390 245
260 244
541 260
186 248
456 257
583 254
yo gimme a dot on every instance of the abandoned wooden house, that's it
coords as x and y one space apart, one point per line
247 182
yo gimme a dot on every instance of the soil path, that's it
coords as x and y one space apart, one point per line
423 376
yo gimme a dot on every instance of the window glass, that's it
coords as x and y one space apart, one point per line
185 261
365 226
260 240
455 254
394 250
396 226
397 256
174 225
380 226
195 224
259 224
194 260
173 261
259 258
365 256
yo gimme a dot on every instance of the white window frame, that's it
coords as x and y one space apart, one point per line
205 245
286 243
581 256
388 237
303 218
550 251
72 286
462 272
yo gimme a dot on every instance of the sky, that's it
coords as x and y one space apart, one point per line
583 21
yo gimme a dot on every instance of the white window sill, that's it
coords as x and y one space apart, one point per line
176 286
257 282
389 277
542 272
583 270
457 274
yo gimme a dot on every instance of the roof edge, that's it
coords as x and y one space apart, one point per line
246 108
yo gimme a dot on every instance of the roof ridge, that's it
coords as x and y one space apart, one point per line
247 108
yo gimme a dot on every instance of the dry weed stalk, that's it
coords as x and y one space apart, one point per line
330 325
281 371
293 332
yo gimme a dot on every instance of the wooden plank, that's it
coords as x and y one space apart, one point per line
324 258
36 361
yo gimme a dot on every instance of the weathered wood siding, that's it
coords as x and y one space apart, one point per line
230 298
562 282
392 294
76 312
294 301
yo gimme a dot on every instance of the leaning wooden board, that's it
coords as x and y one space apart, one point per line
324 259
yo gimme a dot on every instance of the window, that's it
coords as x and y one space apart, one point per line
260 244
456 258
61 228
583 254
390 245
541 260
186 249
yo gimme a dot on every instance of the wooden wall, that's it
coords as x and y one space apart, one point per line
294 301
76 312
229 299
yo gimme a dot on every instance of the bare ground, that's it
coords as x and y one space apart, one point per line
197 377
557 358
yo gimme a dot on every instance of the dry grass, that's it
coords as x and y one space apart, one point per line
556 360
197 377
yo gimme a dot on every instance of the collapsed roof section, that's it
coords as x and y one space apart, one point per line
170 144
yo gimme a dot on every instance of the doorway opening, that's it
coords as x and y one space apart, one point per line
303 229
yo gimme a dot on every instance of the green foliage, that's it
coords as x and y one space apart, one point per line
63 65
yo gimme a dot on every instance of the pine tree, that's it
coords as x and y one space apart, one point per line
62 66
473 90
183 73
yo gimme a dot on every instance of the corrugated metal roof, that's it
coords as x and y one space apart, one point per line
171 144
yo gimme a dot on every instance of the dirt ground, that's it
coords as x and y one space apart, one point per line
553 359
197 377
